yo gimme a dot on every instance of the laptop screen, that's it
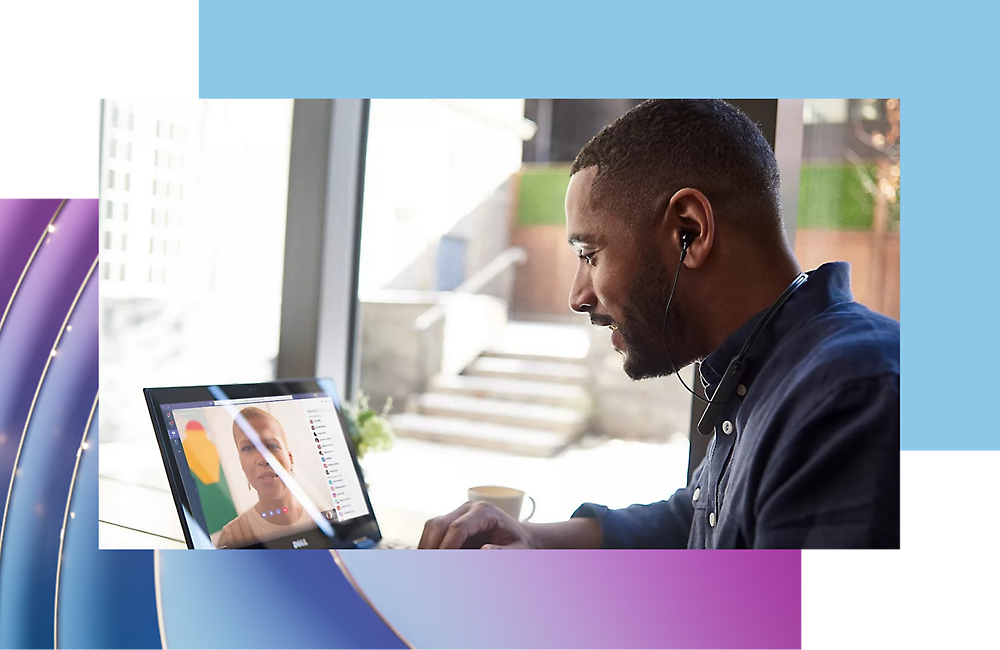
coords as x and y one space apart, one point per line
257 470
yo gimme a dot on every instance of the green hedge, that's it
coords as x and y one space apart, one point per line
542 196
832 196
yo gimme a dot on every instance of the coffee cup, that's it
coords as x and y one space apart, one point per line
507 499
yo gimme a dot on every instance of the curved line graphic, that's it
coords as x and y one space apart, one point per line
62 531
159 600
347 574
41 380
45 233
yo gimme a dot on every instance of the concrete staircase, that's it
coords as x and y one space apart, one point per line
526 395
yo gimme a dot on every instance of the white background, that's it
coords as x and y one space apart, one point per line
60 58
940 590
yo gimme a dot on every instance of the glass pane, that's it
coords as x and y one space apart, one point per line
849 195
493 378
206 311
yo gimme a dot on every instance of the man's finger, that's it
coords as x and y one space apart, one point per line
461 529
435 529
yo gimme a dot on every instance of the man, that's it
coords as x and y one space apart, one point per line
674 213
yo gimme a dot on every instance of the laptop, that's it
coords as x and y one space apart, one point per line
268 465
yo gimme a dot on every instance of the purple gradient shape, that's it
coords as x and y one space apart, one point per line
31 543
35 318
229 599
586 599
22 222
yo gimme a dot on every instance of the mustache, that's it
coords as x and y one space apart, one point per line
601 321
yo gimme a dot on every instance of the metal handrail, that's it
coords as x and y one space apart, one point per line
479 279
423 323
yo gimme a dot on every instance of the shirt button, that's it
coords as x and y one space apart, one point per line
711 519
727 427
741 390
697 493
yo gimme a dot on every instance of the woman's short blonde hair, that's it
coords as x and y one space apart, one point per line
253 413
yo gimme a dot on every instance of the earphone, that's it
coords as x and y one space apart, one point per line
731 377
686 239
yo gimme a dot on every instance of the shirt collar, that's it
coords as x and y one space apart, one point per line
828 285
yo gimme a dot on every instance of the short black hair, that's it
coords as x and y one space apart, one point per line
664 145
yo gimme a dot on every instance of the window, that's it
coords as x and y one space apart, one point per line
109 209
112 148
114 116
131 125
473 165
124 240
128 151
106 270
128 178
153 331
107 240
121 272
825 111
111 179
125 212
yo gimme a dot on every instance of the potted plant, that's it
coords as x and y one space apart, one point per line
370 431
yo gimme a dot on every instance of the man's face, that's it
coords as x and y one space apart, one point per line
621 282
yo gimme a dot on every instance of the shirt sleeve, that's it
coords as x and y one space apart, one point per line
664 524
832 480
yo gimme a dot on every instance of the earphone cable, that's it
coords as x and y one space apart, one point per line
665 311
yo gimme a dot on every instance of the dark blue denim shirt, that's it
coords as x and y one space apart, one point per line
806 454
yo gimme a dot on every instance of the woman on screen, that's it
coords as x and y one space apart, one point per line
277 512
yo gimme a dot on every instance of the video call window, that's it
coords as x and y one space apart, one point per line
262 471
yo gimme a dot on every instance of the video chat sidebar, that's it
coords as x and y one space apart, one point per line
334 459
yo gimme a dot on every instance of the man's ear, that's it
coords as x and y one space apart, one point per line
689 213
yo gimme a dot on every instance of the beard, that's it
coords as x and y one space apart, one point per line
643 328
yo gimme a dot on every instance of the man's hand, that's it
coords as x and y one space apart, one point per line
476 525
